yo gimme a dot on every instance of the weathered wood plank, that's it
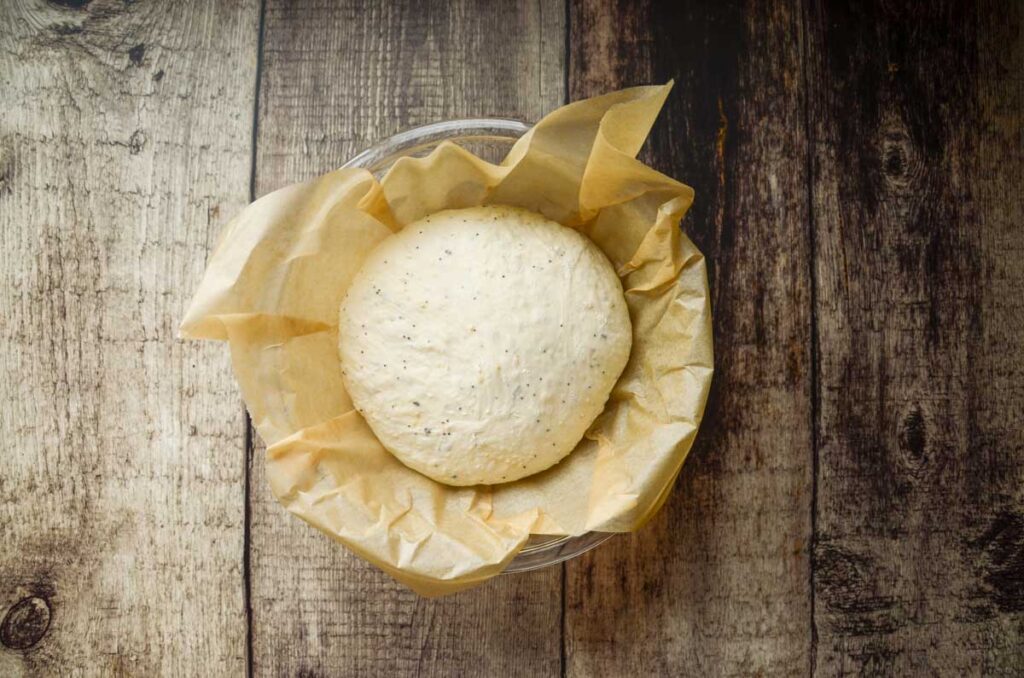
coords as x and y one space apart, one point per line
919 221
718 583
337 76
125 135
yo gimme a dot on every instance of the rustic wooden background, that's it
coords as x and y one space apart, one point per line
855 502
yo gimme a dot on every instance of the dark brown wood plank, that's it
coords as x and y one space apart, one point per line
336 76
919 223
125 140
718 583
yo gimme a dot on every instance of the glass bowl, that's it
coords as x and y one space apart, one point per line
490 139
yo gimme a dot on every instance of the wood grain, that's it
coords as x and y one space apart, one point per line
718 583
337 76
125 135
858 170
916 126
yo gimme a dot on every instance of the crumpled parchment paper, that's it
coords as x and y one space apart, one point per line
277 276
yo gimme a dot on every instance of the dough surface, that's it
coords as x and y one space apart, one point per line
480 344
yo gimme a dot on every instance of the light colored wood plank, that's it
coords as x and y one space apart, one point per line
125 135
339 75
917 128
718 583
336 76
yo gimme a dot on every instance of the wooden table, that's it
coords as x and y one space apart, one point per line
854 503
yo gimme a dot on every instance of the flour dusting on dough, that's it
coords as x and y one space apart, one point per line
480 344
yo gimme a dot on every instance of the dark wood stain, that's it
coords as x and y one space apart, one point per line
733 534
915 231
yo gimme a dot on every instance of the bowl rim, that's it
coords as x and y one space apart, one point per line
427 135
378 157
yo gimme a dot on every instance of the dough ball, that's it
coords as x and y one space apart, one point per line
480 344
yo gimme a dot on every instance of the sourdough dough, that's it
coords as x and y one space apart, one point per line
480 344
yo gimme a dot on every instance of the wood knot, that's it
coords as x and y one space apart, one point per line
900 164
913 439
898 158
70 4
6 171
847 582
26 623
136 54
1000 561
137 142
894 161
840 574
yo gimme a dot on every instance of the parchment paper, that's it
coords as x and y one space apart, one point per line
275 281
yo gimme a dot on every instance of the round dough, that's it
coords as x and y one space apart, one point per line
480 344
